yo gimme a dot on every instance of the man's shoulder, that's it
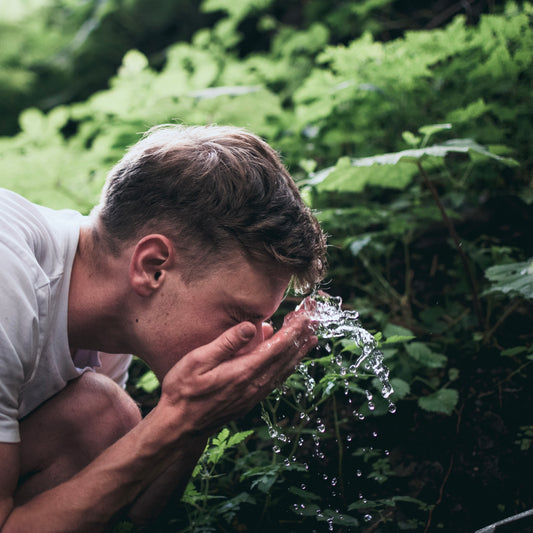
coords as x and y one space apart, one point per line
38 234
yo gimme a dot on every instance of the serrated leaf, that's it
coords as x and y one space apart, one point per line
346 178
425 356
512 278
221 437
147 382
236 438
401 388
442 401
349 176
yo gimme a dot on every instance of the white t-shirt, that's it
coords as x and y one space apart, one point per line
37 249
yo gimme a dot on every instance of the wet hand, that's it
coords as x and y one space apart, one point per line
222 380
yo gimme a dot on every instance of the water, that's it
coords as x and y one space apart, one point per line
332 321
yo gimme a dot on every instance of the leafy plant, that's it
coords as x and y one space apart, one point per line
429 242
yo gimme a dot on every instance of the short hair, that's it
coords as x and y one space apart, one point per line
212 190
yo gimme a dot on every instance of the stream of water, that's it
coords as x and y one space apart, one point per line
332 321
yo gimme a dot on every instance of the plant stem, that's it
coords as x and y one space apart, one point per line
340 450
457 241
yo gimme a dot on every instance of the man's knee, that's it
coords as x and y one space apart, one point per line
96 408
82 420
71 429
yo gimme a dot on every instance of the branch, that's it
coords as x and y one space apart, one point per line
457 241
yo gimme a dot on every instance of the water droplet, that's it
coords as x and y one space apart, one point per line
358 473
321 428
334 481
302 486
273 433
367 517
349 438
374 434
276 449
392 408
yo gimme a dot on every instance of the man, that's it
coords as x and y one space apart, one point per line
198 235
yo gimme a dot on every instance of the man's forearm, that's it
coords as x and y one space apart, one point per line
90 500
170 484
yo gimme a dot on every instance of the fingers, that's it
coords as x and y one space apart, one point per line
268 331
277 357
226 345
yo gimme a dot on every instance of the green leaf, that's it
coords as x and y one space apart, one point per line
425 356
401 388
221 437
442 401
305 495
236 438
512 278
514 351
431 129
410 138
349 174
392 330
148 382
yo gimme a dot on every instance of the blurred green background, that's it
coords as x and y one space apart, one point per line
407 126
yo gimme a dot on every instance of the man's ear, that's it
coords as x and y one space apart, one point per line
152 257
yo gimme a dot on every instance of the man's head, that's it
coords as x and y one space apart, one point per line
215 192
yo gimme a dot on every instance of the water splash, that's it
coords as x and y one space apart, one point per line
332 321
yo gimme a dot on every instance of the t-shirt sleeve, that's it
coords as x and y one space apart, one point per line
19 337
11 379
115 366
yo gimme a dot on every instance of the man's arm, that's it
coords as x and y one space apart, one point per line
9 468
174 481
205 389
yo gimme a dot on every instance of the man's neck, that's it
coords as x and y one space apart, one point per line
96 298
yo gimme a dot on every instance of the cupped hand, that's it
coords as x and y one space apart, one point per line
222 381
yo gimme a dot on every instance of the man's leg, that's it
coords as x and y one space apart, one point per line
68 431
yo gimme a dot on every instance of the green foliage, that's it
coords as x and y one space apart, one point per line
148 382
512 279
399 146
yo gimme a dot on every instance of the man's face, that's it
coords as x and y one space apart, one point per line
188 315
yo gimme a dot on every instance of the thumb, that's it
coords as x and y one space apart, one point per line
228 344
